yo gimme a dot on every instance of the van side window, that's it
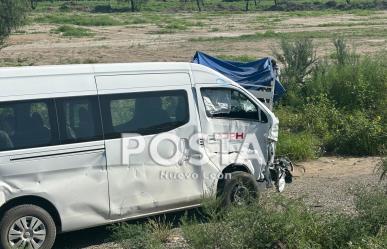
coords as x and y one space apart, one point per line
27 124
230 103
144 113
79 119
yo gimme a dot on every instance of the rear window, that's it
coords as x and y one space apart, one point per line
27 124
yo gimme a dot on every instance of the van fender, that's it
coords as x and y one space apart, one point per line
37 199
226 172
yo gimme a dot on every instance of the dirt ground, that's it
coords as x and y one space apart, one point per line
325 184
37 45
329 183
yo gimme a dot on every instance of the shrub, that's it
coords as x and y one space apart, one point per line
160 229
151 234
370 242
358 86
321 117
343 55
298 58
131 236
278 222
382 168
271 222
341 104
298 146
67 30
358 134
82 20
258 225
372 208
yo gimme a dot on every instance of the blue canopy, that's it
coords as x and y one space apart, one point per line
250 75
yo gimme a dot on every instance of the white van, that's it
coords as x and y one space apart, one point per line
88 145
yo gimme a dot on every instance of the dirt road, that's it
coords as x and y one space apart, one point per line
325 184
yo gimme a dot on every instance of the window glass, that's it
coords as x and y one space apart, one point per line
242 107
230 103
144 113
217 102
27 124
79 119
122 111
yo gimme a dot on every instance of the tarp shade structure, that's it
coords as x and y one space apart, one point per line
250 75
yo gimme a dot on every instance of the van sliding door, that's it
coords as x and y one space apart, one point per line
159 109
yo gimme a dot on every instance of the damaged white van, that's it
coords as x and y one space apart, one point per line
88 145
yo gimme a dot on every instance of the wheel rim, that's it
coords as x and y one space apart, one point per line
27 232
241 194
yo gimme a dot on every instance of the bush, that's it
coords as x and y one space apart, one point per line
298 146
151 234
298 58
382 168
131 236
341 104
359 134
67 30
372 208
271 222
358 86
82 20
343 55
278 222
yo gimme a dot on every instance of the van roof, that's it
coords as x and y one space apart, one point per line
6 72
19 83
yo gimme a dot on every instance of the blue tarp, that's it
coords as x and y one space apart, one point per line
250 75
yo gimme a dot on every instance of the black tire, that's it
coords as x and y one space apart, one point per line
240 181
12 215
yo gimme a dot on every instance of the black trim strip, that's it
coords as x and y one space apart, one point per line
56 154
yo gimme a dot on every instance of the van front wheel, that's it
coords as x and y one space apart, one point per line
27 226
240 189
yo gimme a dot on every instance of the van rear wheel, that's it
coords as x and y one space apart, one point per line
241 189
27 226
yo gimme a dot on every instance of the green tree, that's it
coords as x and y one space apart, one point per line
12 15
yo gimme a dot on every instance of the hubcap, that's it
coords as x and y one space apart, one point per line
241 194
27 232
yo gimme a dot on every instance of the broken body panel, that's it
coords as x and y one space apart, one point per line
87 183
